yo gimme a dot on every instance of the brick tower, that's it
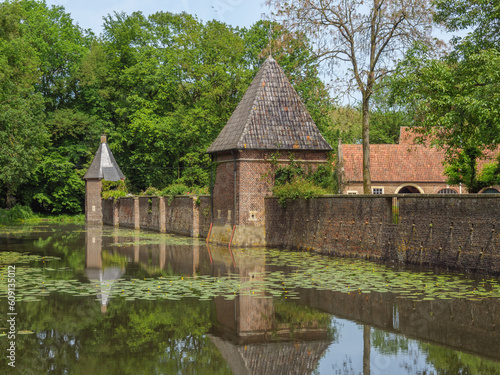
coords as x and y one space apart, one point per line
103 167
269 123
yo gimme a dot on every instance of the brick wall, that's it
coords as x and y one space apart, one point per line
185 215
335 225
223 190
204 217
108 211
394 187
126 214
458 232
179 215
455 232
448 231
254 179
93 208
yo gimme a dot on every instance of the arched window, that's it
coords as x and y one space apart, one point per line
408 190
490 191
447 191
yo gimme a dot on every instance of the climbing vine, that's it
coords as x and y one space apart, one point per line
294 181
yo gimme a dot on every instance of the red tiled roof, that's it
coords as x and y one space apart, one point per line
406 136
405 161
401 162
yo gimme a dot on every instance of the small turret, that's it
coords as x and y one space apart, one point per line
103 167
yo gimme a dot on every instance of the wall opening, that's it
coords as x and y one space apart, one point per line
408 189
490 191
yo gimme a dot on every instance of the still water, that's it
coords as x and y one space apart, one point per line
114 301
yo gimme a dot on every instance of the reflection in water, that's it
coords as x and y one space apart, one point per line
253 333
94 269
320 331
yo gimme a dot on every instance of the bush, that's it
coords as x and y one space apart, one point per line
181 189
151 191
16 214
324 177
113 189
115 194
299 188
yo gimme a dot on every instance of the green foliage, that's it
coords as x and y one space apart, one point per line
490 174
151 191
63 218
113 189
57 186
464 171
455 104
22 133
15 214
479 18
299 188
160 86
386 120
293 181
113 194
455 99
287 173
60 46
324 177
180 189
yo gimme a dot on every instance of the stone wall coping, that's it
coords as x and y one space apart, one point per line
160 196
416 196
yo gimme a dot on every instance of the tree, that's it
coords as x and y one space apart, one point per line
173 82
60 46
22 134
366 37
454 99
480 16
455 105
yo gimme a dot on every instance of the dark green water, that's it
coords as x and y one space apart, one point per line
109 301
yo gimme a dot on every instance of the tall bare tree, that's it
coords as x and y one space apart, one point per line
367 35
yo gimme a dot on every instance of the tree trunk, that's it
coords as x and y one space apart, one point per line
365 135
366 349
10 199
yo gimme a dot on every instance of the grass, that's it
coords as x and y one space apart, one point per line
23 215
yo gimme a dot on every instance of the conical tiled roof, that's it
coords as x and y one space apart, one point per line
270 116
104 165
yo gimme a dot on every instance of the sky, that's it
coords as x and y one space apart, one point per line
89 13
243 13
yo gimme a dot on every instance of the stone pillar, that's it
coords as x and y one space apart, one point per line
137 212
116 212
93 204
196 218
162 220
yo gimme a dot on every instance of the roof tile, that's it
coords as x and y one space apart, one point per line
270 116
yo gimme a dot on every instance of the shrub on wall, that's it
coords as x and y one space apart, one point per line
299 188
112 189
293 181
180 189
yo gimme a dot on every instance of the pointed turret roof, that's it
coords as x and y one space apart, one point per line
270 116
104 165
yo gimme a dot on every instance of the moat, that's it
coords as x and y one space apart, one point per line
102 300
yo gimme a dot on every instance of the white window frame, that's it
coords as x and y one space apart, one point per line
376 188
352 192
